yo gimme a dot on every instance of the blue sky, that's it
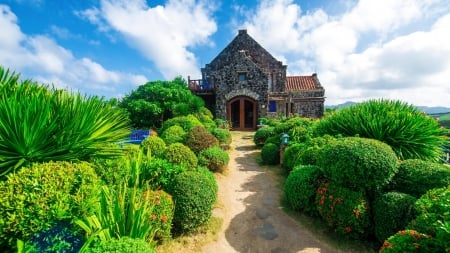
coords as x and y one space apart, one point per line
396 49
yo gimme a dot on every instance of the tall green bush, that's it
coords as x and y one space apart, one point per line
358 163
194 195
300 188
409 132
416 177
392 211
39 124
34 199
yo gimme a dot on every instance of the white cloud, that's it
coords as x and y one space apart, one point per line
39 57
163 34
395 49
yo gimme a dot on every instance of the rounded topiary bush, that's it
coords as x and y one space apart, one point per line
291 153
194 195
270 154
261 135
411 133
34 198
173 134
185 122
299 133
123 245
179 154
344 210
392 211
311 153
214 158
276 139
224 137
198 139
416 177
300 188
408 241
162 214
154 145
358 163
159 173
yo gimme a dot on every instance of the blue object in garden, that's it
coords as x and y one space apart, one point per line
136 136
285 139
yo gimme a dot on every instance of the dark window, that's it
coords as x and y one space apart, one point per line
272 106
242 76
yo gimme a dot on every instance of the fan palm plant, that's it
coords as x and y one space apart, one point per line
39 124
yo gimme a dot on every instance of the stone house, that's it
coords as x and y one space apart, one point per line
245 82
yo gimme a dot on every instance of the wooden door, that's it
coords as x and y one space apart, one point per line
241 113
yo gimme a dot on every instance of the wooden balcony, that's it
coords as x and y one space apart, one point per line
201 87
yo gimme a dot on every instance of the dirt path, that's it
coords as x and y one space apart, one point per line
249 205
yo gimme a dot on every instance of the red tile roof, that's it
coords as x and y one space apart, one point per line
294 83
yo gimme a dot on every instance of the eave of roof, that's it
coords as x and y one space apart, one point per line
296 83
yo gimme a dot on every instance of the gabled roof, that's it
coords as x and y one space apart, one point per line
297 83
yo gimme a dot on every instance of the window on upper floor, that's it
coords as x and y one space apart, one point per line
242 76
272 106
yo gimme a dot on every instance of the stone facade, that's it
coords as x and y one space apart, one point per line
244 69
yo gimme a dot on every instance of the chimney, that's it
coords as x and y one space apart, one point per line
242 31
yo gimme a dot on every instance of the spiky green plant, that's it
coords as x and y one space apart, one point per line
410 133
39 124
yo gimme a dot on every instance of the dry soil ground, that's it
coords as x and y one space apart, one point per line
249 204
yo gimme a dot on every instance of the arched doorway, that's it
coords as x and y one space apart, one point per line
241 113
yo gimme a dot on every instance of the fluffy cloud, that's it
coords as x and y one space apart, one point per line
41 58
372 49
163 34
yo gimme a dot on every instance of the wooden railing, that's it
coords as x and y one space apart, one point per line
200 86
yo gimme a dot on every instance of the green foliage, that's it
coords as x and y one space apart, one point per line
270 154
173 134
358 163
186 122
39 124
433 209
408 241
344 210
162 214
112 171
34 199
179 154
392 211
311 152
262 134
198 139
223 136
214 158
124 244
276 139
206 118
300 188
154 145
159 173
194 195
416 177
291 153
409 132
154 102
299 133
62 237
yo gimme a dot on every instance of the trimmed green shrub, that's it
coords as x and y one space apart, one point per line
299 133
358 163
154 145
198 139
433 209
111 171
291 153
223 135
392 211
34 199
159 173
344 210
214 158
261 135
162 214
408 241
311 153
173 134
124 244
416 177
411 133
300 188
274 140
179 154
270 154
194 194
185 122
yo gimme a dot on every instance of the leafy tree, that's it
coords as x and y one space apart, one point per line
152 103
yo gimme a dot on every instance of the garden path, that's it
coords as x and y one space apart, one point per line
249 204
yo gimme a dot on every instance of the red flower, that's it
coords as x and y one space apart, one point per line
153 216
348 229
164 218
